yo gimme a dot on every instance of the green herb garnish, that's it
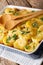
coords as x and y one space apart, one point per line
11 11
33 11
41 18
13 31
27 47
35 24
16 13
39 31
25 32
22 32
15 36
8 39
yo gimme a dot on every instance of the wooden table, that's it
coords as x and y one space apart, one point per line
4 61
3 3
14 2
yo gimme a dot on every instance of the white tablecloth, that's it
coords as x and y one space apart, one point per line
17 57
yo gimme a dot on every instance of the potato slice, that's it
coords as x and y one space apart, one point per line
20 43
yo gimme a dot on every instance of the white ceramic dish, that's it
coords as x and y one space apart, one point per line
27 8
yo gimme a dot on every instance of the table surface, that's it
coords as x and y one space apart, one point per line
3 3
14 2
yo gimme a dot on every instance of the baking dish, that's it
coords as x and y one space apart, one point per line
19 7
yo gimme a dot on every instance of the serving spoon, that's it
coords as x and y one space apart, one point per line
11 22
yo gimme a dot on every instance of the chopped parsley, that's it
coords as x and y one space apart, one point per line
27 47
8 39
39 31
35 24
14 36
41 18
25 32
13 31
22 32
16 13
33 11
11 11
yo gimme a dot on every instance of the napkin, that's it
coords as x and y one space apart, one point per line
18 57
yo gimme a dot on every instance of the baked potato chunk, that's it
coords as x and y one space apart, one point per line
20 43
